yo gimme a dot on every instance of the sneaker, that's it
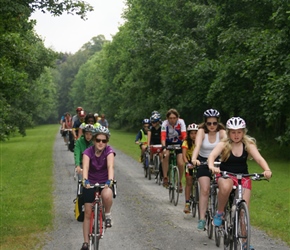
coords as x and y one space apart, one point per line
201 225
85 246
186 208
217 219
244 247
165 182
108 222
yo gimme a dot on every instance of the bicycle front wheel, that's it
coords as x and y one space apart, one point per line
176 185
97 227
242 236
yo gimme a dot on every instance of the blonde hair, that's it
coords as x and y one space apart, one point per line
246 140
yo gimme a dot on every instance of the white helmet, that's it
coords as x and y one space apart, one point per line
211 113
236 123
192 126
102 130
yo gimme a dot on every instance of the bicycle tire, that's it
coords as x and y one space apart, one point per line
176 185
209 225
217 236
197 198
170 188
160 174
145 165
193 207
97 227
242 236
149 168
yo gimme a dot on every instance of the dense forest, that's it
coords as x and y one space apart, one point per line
185 54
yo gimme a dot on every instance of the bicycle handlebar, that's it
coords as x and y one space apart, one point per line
254 176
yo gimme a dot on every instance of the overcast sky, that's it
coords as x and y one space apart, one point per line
68 33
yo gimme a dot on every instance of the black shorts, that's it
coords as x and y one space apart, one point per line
177 151
89 194
64 133
203 170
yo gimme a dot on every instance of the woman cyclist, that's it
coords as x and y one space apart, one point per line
98 167
209 134
187 148
173 131
141 137
154 133
234 151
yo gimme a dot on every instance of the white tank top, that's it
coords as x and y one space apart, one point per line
206 146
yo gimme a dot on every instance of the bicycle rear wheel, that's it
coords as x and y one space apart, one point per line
145 165
209 225
242 236
176 185
217 236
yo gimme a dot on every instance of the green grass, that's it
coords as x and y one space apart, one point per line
26 187
26 210
269 201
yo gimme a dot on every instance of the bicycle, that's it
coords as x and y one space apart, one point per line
236 224
156 150
173 174
97 221
145 162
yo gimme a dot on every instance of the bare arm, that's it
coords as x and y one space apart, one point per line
148 137
86 164
198 141
254 152
110 166
213 155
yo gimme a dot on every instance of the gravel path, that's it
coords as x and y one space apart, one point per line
143 217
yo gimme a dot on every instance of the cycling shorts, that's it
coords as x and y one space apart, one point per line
89 195
246 181
203 170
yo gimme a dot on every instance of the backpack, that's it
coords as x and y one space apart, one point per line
79 204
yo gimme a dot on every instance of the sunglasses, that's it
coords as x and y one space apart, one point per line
100 140
211 123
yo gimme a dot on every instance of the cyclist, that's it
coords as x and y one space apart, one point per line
103 121
173 131
154 133
81 144
234 151
66 124
141 137
76 116
187 149
77 124
89 119
98 167
209 134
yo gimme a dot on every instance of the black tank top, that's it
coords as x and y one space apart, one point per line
155 136
236 164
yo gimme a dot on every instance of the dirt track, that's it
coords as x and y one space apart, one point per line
143 217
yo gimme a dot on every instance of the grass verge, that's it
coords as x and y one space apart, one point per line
26 188
269 200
